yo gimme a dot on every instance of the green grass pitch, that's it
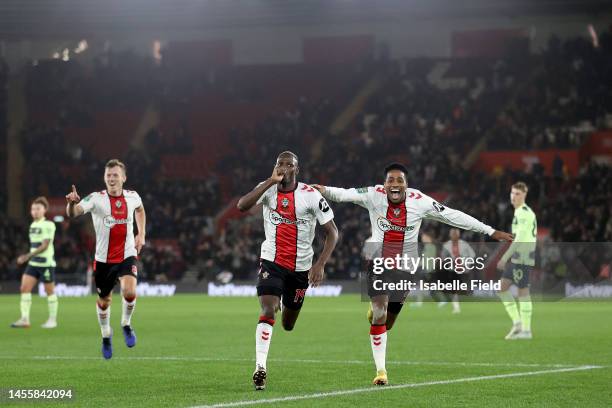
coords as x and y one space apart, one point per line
194 350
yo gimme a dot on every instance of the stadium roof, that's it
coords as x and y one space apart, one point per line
39 18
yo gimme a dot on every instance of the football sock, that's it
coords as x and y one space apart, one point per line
526 309
510 305
263 336
53 305
104 320
26 304
456 306
378 340
127 309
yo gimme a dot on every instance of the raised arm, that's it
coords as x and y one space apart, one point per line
250 199
456 218
357 196
315 276
73 208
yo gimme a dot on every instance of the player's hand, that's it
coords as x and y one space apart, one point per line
139 242
315 275
277 174
501 264
73 196
21 259
502 236
319 187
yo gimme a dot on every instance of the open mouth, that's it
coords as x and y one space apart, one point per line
395 193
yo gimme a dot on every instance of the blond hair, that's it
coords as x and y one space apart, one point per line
521 186
116 163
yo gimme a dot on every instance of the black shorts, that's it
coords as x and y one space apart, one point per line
45 274
376 281
106 275
518 274
291 286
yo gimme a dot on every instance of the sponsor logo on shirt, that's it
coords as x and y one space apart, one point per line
110 221
386 225
276 219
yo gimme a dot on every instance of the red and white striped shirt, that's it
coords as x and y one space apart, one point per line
396 226
113 220
290 219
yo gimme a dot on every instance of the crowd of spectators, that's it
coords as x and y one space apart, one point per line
411 118
567 97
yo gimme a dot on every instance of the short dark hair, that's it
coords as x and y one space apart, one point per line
42 201
116 163
395 166
288 153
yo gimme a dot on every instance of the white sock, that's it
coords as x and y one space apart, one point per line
52 304
456 302
25 304
104 320
263 337
127 309
378 340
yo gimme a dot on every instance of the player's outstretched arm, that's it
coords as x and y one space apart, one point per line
248 200
73 208
315 276
502 236
343 195
461 220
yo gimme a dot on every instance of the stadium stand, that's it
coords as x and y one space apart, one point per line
427 113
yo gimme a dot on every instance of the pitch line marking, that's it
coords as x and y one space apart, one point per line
392 387
305 361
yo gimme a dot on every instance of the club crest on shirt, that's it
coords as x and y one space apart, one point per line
265 275
118 204
397 212
285 202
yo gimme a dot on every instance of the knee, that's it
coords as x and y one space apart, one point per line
23 289
104 303
268 311
50 291
505 286
129 295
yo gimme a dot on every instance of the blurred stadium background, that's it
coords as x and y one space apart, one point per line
198 98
